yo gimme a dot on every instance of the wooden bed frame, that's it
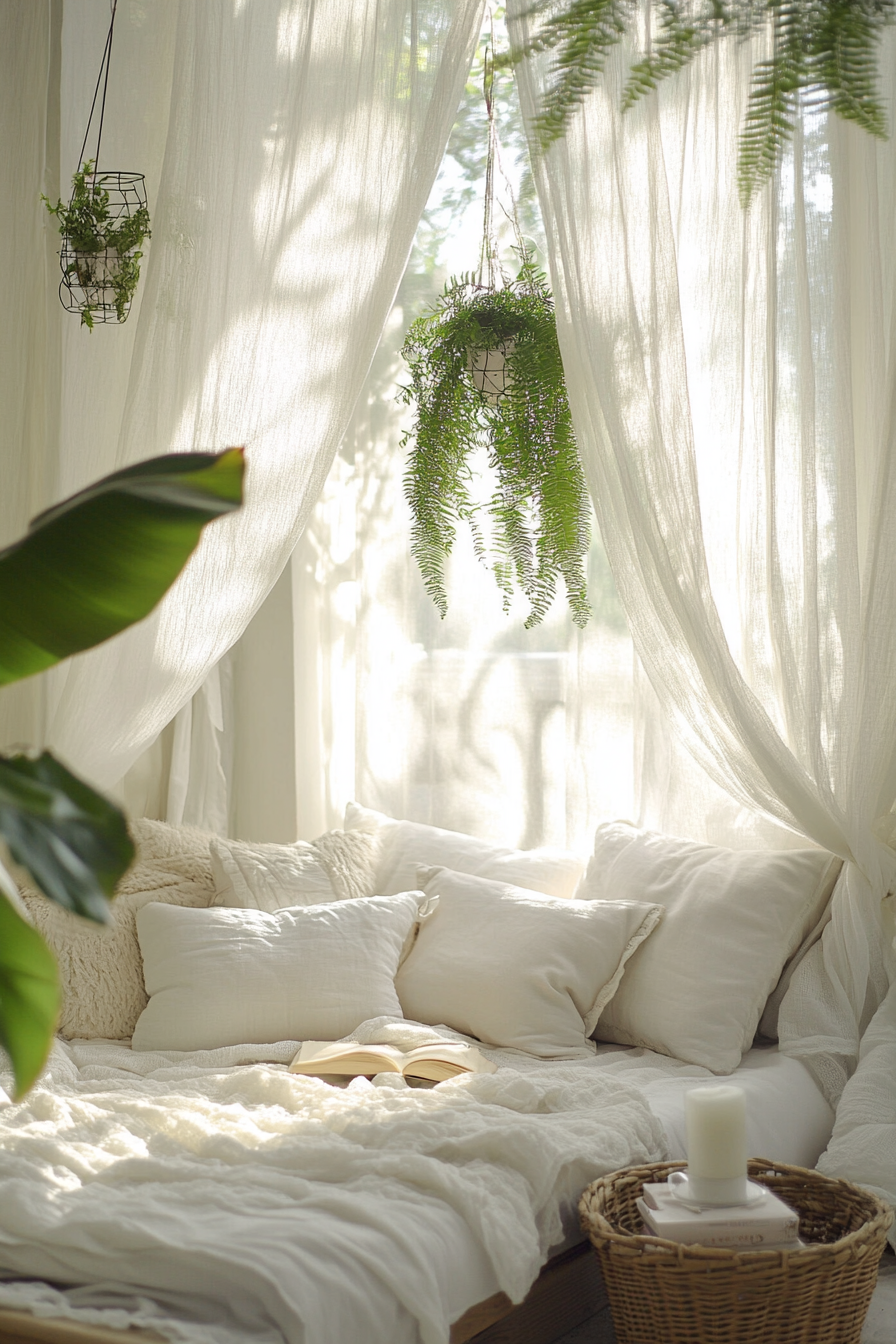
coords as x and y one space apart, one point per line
568 1291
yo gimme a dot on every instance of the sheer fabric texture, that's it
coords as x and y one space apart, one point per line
348 685
732 377
288 150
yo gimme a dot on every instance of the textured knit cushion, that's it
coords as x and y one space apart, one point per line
402 846
517 968
696 989
336 866
234 977
100 968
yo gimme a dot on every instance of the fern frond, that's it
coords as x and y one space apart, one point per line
682 34
825 55
774 100
585 33
844 59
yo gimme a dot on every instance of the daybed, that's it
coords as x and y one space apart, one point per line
189 1185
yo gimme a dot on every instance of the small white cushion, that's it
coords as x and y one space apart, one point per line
697 989
404 845
234 977
257 876
517 968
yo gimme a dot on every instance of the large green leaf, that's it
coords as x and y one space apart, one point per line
29 996
72 841
100 561
87 569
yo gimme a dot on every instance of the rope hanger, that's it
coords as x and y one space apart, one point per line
491 272
102 78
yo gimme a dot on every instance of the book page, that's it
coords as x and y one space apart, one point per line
346 1057
450 1057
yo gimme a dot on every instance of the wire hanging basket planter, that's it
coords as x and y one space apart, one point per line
103 226
486 372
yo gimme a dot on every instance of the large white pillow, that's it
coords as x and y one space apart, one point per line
696 990
99 967
517 968
403 846
236 977
257 876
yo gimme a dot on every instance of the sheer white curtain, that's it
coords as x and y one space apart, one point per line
732 377
472 722
289 149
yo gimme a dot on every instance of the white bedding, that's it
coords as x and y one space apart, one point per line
219 1199
788 1118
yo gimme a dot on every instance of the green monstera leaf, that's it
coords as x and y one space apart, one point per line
73 842
29 996
100 561
87 569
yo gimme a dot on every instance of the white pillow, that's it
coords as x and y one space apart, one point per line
404 845
236 977
733 917
254 876
517 968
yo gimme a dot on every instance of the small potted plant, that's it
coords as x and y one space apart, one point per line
486 370
103 227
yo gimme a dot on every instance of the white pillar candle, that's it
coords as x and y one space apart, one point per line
716 1127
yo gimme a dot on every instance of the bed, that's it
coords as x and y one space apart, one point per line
206 1194
304 1247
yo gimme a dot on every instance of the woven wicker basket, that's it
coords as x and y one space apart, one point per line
664 1293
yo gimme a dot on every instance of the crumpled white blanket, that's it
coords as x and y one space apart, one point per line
214 1196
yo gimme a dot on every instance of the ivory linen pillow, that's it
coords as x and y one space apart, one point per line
517 968
237 977
733 917
402 846
337 866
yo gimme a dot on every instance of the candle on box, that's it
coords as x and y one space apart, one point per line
716 1128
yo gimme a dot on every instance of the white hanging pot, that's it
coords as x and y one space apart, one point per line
96 271
490 370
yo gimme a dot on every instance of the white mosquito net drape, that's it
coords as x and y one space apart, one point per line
732 377
289 148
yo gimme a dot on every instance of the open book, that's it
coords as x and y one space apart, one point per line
436 1061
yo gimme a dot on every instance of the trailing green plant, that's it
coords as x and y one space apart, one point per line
538 514
823 56
104 251
87 569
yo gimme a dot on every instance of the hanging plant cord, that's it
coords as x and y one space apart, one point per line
103 225
486 372
102 78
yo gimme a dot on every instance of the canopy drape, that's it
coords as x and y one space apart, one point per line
732 376
289 149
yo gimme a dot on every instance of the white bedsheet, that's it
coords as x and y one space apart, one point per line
219 1199
788 1118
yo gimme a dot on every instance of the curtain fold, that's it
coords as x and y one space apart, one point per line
289 149
732 377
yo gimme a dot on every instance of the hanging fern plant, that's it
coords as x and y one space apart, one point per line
823 55
486 373
486 370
